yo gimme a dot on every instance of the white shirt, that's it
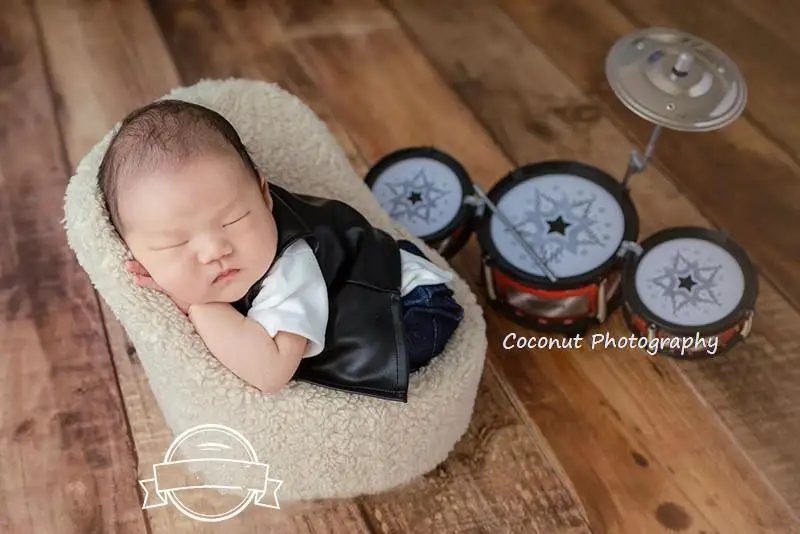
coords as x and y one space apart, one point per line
294 298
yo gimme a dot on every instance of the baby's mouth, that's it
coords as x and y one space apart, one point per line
227 274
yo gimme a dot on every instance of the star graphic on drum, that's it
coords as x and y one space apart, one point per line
687 283
415 197
560 224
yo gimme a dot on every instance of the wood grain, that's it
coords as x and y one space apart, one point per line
67 459
500 478
736 176
780 21
402 102
119 49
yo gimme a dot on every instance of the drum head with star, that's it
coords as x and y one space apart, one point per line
572 220
692 278
422 190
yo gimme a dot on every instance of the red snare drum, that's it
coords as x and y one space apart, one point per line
581 222
691 293
428 193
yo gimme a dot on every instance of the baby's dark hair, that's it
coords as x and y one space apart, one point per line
165 132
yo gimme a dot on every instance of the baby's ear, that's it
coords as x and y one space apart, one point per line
265 190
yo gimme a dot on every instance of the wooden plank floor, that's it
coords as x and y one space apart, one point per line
568 441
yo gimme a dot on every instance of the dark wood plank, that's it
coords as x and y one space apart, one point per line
576 396
735 175
118 48
68 463
780 20
500 478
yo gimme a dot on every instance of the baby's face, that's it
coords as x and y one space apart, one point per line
190 225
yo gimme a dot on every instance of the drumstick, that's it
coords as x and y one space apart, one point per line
522 241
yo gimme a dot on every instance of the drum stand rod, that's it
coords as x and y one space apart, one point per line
637 163
517 235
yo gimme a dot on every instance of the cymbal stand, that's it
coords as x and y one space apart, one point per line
638 163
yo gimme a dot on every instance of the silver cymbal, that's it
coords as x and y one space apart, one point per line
676 80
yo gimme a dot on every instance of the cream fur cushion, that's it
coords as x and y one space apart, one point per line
320 442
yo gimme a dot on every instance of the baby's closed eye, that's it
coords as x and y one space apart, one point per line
168 247
237 219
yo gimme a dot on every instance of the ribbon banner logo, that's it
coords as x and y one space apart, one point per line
228 462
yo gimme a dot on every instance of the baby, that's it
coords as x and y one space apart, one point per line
279 286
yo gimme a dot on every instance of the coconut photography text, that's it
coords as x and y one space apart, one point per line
605 340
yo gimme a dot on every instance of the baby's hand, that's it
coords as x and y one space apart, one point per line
143 279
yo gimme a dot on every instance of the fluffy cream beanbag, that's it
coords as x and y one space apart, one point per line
321 443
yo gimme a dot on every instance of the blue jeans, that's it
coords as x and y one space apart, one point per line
430 316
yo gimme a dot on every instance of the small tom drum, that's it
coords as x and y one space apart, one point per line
428 193
580 222
691 293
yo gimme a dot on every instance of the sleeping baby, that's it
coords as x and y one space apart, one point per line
279 285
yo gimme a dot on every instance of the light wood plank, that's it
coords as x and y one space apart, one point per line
500 478
67 461
401 102
108 58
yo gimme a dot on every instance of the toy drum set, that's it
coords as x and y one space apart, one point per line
429 193
559 239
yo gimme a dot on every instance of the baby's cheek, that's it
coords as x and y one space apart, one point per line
263 238
172 274
259 251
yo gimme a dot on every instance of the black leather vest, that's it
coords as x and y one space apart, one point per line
364 344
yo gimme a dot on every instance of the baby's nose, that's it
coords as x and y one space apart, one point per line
214 248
